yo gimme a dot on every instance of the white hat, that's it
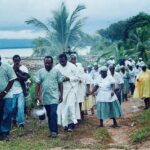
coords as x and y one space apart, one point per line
95 64
117 68
122 66
103 68
111 57
130 58
143 64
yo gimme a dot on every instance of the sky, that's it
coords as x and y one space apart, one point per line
99 13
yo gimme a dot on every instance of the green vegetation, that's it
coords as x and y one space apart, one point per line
130 37
62 30
122 29
142 128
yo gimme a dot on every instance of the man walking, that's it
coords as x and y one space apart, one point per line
49 84
68 110
19 91
7 77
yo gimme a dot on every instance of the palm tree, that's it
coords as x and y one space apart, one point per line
104 48
62 29
140 40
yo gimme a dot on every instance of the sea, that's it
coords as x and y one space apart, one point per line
9 53
27 52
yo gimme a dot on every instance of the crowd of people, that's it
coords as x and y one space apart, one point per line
68 91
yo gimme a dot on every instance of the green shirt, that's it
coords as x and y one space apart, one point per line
49 81
6 74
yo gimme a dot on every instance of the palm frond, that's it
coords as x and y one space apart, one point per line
75 31
75 14
38 24
59 24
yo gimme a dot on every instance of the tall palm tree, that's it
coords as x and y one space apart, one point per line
63 28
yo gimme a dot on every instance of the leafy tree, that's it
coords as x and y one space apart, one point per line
138 42
131 36
122 29
62 29
141 20
114 32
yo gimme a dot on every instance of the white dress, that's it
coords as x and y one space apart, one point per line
68 110
81 84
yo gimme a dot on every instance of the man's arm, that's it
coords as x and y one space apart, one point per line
37 91
61 91
6 90
112 89
87 89
22 75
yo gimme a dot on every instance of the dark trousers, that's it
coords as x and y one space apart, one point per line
125 97
1 110
132 86
5 115
51 111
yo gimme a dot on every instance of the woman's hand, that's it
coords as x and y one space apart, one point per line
112 93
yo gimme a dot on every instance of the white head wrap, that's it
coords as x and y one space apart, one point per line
103 68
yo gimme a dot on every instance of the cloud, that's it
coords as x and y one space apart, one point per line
100 13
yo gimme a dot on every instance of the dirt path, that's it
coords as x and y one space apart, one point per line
120 135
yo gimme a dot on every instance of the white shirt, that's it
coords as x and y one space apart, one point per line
118 80
139 63
127 62
104 90
16 89
70 70
131 76
137 71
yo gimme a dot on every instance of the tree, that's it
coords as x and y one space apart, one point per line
121 30
114 32
132 36
139 42
62 29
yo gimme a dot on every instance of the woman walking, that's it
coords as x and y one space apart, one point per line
142 86
107 104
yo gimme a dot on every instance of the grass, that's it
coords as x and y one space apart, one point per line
102 135
141 131
35 137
